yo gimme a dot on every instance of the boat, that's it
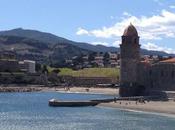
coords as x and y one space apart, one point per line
58 103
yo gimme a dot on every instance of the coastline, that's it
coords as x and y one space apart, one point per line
37 88
164 108
140 111
91 90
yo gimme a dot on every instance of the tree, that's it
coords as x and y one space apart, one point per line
106 58
160 57
57 71
38 67
92 56
101 53
44 69
79 60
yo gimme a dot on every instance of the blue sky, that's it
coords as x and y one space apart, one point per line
95 21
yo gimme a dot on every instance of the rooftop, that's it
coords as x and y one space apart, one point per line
130 31
172 60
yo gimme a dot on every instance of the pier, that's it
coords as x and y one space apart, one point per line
83 103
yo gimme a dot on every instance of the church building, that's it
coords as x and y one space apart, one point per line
142 78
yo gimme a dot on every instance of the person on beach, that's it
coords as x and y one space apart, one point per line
115 99
87 89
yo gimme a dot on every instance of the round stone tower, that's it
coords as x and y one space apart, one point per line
130 57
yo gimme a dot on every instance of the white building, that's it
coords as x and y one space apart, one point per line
27 66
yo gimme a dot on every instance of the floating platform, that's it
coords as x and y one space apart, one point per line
57 103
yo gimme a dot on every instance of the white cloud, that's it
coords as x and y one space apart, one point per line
126 14
154 47
147 46
172 6
116 43
82 31
154 27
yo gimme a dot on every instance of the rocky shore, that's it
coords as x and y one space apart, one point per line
19 89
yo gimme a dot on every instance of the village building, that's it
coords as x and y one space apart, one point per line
27 66
9 63
99 61
113 60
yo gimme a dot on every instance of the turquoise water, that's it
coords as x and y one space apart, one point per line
30 111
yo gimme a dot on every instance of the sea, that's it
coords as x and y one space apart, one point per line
30 111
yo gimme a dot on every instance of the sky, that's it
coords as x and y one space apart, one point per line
95 21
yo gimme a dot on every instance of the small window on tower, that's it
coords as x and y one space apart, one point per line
135 40
123 39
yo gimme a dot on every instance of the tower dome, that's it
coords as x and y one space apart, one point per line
130 31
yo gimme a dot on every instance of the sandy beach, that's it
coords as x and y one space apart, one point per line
34 88
92 90
162 107
166 107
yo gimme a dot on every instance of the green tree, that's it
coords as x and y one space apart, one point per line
44 69
38 67
106 58
92 56
57 71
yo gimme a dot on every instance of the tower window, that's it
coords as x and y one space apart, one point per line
135 40
123 39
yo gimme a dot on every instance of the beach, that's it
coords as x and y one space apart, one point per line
163 107
34 88
166 107
91 90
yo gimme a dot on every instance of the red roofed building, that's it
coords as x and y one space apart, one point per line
172 60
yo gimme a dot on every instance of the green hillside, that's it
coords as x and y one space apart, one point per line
91 72
26 48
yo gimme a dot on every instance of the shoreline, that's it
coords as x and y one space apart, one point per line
164 108
141 111
35 88
91 90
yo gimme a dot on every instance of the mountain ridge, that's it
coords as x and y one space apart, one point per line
52 39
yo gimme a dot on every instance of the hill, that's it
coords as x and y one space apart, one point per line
26 48
51 39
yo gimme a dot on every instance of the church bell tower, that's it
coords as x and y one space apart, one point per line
130 57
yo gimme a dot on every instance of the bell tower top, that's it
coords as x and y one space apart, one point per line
130 31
